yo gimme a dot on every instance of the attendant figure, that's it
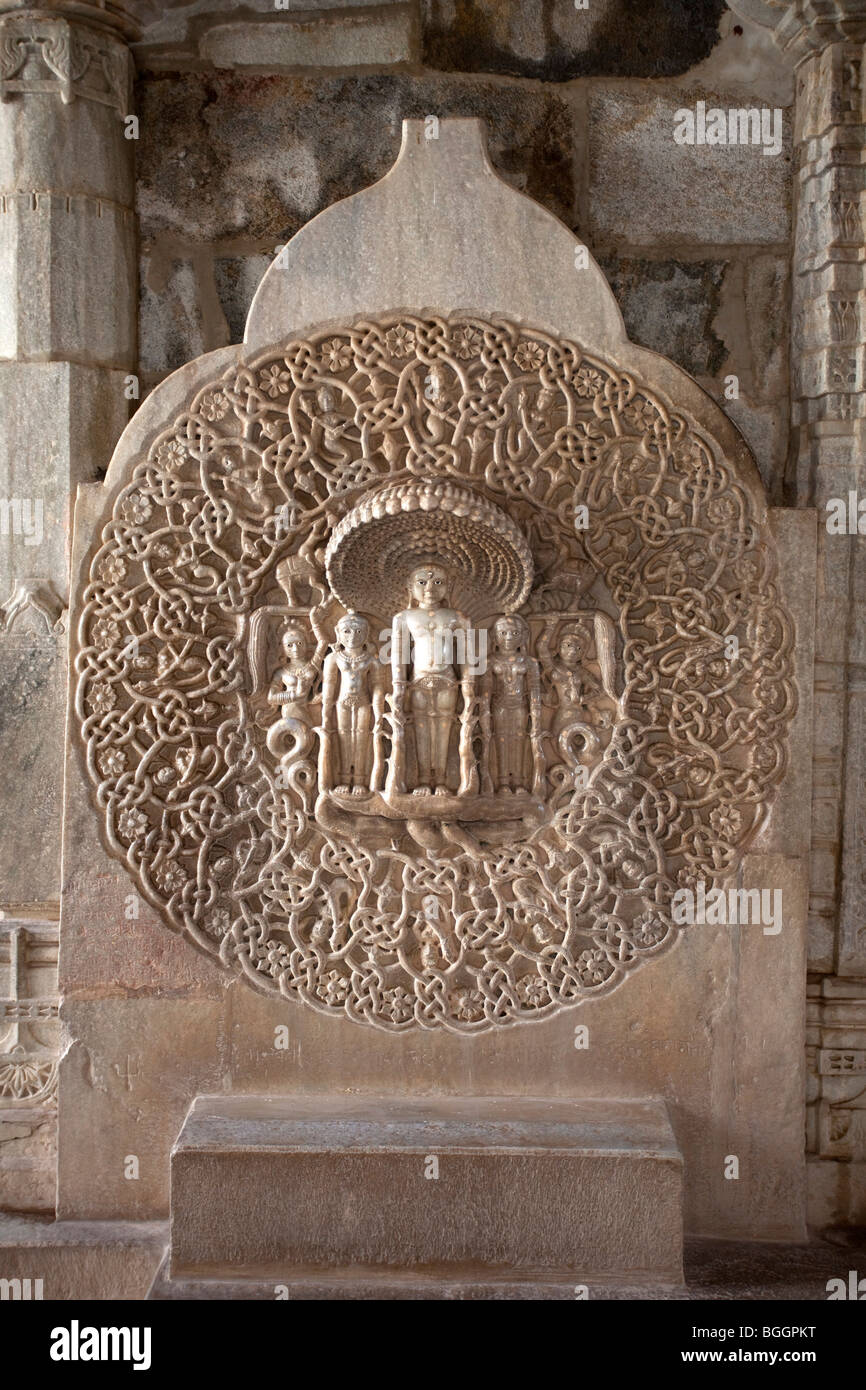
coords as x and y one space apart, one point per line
568 675
291 691
513 687
351 754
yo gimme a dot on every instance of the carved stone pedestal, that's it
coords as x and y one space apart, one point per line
462 1193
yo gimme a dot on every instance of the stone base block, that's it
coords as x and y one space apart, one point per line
42 1259
441 1284
468 1188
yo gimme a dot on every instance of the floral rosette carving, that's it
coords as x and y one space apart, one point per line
256 474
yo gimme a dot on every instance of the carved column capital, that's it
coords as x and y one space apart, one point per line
98 14
78 50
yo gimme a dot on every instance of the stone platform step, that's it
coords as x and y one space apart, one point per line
57 1260
473 1192
363 1283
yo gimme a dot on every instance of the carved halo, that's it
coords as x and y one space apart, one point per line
376 546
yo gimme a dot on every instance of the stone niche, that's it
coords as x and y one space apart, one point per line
423 647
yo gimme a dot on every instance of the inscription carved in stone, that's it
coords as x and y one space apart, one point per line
405 680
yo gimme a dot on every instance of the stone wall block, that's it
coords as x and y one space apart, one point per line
645 188
378 38
119 1099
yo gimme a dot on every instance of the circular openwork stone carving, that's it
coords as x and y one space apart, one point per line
271 775
377 545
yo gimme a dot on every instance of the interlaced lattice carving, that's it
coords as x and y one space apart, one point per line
662 752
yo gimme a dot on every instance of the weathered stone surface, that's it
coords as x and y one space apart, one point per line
474 1284
717 319
180 317
29 1049
213 214
751 321
123 1098
81 1260
837 1196
302 34
590 1187
28 1158
193 300
31 732
227 155
330 40
516 38
746 60
646 190
713 1270
789 829
670 306
769 1060
765 430
237 279
560 41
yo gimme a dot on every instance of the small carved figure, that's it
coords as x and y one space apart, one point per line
332 422
438 400
290 691
430 641
568 674
353 701
513 687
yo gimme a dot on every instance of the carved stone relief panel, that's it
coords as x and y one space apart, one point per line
29 1041
422 660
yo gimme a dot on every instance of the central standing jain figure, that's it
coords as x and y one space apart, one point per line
430 658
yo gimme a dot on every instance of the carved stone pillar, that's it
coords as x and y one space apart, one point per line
829 336
825 41
67 340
